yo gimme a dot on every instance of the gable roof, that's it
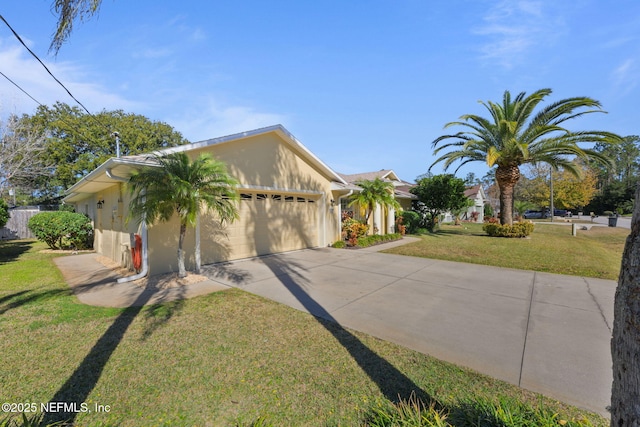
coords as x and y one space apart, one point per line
472 192
384 174
118 169
401 188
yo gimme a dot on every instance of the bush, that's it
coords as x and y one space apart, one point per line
339 244
352 230
4 213
367 241
60 229
518 229
411 221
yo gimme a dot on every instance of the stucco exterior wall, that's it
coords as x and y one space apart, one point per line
285 205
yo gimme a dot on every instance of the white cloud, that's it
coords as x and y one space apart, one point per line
26 72
513 28
625 76
215 120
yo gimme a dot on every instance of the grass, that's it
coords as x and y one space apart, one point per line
551 248
228 358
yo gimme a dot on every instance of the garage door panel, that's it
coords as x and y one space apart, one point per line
266 225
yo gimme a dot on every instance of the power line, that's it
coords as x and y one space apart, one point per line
71 126
24 91
51 74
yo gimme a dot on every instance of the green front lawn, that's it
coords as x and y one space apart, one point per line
228 358
550 248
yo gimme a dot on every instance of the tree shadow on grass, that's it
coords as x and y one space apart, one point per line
12 249
19 299
391 382
77 388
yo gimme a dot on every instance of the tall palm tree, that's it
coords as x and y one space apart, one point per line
513 136
180 186
374 192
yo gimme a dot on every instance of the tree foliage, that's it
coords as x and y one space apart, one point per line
4 213
616 184
69 12
514 136
438 194
179 186
77 143
569 191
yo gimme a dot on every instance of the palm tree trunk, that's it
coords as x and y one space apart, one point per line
625 344
507 178
182 272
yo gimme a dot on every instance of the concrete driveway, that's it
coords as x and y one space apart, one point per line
544 332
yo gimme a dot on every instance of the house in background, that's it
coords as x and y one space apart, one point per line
381 219
289 200
479 198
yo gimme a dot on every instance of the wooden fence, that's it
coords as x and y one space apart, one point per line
16 227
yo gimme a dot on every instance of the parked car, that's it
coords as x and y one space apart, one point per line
561 212
533 214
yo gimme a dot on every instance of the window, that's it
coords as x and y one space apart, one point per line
261 197
276 197
245 196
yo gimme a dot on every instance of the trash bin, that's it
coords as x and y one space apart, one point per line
613 221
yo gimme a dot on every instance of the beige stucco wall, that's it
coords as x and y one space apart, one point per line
112 232
263 164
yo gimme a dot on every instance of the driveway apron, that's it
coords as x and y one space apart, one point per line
544 332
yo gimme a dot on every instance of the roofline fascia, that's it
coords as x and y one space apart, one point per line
107 165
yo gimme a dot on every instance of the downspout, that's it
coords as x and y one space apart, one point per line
143 234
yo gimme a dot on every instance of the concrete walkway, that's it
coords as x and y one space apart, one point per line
544 332
95 284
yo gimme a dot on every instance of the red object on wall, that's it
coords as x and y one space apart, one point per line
136 252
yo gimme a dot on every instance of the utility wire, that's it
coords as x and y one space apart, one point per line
51 74
71 126
24 91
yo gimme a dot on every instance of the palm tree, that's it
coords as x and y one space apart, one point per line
513 137
180 186
374 192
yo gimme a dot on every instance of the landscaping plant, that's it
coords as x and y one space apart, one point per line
61 229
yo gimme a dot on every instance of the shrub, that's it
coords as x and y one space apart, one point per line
4 213
518 229
60 229
339 244
366 241
411 221
352 230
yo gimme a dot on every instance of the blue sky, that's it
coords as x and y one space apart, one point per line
365 85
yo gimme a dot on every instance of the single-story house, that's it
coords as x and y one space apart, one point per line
380 220
289 200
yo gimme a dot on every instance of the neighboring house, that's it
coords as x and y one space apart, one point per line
383 221
477 194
